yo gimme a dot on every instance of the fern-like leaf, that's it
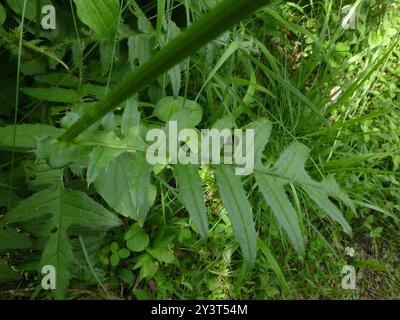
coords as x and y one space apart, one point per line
67 208
239 210
290 168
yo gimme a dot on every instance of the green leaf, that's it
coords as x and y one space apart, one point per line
274 194
136 239
125 185
3 15
162 254
95 91
238 207
59 79
215 22
290 167
7 274
26 135
59 154
114 247
124 253
95 150
11 239
131 116
175 77
100 158
127 276
186 112
30 12
139 49
147 266
67 208
262 132
100 15
39 175
273 191
115 259
52 94
190 189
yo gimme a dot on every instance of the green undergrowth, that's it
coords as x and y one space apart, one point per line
324 103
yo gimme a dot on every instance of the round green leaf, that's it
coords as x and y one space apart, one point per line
115 259
114 247
136 239
124 253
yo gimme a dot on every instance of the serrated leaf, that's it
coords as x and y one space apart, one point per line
98 159
26 135
52 94
290 168
190 189
92 90
262 132
139 49
7 274
226 122
67 208
175 77
125 185
94 149
100 15
146 265
11 239
60 155
39 175
58 79
109 54
329 187
186 112
131 116
274 194
238 207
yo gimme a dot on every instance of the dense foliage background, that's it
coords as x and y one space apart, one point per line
331 89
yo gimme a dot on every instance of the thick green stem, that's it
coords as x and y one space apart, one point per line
207 28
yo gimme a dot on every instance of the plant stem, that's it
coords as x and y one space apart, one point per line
207 28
